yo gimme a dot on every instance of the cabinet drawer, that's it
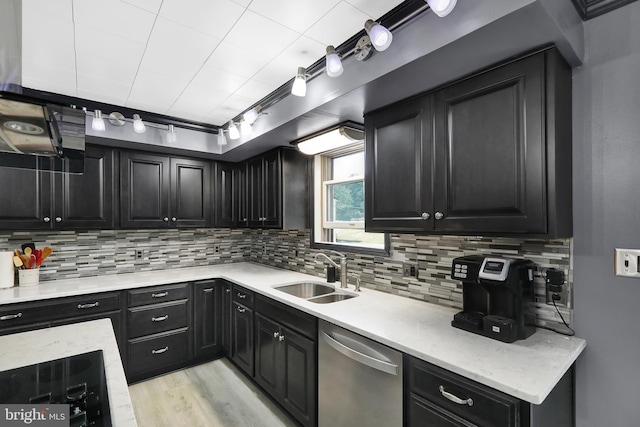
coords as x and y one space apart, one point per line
58 308
157 318
157 294
158 352
290 317
476 403
242 296
424 413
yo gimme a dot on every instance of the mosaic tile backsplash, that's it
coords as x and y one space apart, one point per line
90 253
433 256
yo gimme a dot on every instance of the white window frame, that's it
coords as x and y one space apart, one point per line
326 205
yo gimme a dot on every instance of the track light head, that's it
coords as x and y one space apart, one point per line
252 115
334 63
172 138
221 139
442 7
138 126
97 123
299 87
233 130
380 37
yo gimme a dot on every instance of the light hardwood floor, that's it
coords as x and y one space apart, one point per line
213 394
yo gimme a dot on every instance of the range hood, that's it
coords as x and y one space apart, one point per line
39 136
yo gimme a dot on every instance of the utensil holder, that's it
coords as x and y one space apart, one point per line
29 277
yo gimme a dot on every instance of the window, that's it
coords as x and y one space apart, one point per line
339 203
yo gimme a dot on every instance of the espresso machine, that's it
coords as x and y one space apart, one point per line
494 291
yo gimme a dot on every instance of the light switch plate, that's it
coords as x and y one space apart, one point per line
627 262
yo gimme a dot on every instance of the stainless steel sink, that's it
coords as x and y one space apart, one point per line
306 289
325 299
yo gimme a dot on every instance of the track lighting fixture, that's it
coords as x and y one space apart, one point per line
442 7
334 63
252 115
221 139
97 123
245 128
380 37
299 87
233 130
171 135
138 126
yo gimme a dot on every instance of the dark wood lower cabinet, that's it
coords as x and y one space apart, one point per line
207 320
423 413
242 338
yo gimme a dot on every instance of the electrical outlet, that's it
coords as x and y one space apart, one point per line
627 262
139 253
556 287
216 249
409 269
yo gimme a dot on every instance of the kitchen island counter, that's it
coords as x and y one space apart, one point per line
28 348
527 369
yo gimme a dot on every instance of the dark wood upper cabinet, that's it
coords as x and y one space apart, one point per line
490 155
230 201
35 200
159 192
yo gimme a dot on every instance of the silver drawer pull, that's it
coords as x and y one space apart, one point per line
241 295
227 290
11 316
160 294
160 350
454 398
160 319
92 305
241 310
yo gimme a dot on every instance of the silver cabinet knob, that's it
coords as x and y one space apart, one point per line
165 219
276 334
173 218
58 219
439 215
244 219
281 337
46 219
426 215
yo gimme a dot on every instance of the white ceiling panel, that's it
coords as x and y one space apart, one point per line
259 34
243 3
152 6
254 89
46 77
212 76
103 87
59 8
101 67
107 98
157 90
200 98
118 50
214 17
115 17
235 104
342 22
52 32
295 14
236 60
302 53
375 8
219 116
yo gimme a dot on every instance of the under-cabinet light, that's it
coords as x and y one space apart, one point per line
330 140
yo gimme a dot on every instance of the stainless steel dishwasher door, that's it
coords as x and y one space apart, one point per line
359 380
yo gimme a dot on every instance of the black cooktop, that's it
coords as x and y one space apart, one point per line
78 381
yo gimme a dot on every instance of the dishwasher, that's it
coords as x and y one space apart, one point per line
359 380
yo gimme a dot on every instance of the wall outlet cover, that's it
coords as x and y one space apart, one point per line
627 262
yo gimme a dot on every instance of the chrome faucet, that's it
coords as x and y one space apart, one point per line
342 266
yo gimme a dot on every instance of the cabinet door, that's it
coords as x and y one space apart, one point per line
241 176
255 185
226 202
207 318
266 354
272 190
491 151
25 199
190 193
398 171
242 340
144 190
299 384
87 201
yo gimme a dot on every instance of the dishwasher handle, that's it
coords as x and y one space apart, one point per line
372 362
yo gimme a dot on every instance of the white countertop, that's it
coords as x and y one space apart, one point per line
33 347
527 369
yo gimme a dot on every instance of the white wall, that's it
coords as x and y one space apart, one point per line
606 153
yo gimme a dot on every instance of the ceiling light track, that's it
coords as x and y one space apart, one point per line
118 119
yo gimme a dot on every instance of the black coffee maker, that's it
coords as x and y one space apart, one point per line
494 291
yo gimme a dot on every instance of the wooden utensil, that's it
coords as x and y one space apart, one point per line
46 251
25 260
17 261
28 251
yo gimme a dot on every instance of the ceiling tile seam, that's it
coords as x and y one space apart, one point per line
205 62
363 11
146 45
